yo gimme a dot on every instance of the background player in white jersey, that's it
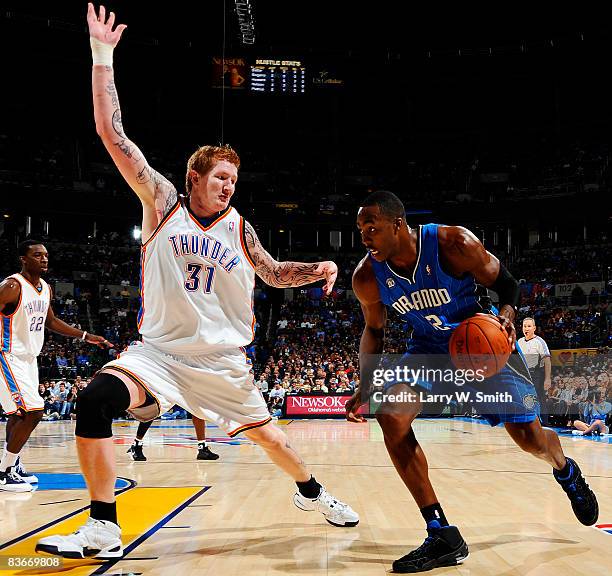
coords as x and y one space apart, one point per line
25 312
199 260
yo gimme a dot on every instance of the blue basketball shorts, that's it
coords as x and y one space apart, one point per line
508 396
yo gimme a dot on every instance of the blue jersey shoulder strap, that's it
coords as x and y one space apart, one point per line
432 301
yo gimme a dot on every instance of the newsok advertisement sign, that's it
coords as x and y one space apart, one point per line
318 406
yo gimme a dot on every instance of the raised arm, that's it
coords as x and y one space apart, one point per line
287 274
156 193
372 338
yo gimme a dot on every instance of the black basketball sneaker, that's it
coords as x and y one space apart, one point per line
205 453
584 502
136 451
442 547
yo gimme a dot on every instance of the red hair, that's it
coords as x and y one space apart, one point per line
205 157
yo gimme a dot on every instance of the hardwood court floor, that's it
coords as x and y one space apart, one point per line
236 516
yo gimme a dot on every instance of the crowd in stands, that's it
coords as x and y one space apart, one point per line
61 397
564 328
314 350
576 317
561 265
310 344
112 259
581 388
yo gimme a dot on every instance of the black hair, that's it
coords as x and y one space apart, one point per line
24 246
390 205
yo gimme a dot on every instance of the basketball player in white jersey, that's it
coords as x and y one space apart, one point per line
25 312
198 265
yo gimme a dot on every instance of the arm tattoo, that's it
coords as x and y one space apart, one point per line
111 90
117 124
144 175
279 274
129 150
164 193
123 144
170 200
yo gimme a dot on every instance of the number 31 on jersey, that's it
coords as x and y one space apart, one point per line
193 277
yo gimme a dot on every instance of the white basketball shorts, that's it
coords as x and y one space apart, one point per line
217 387
19 383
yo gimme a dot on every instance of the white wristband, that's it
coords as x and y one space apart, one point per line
84 335
100 52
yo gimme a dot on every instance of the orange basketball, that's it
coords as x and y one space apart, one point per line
480 343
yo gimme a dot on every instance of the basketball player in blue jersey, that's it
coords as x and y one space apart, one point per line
25 311
434 277
198 265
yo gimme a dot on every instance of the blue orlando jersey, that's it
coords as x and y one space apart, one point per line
430 300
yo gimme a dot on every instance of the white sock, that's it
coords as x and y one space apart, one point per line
137 442
8 460
201 444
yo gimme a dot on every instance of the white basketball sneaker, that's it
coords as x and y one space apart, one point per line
96 538
25 475
335 512
12 482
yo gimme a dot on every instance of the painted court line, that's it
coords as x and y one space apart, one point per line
142 512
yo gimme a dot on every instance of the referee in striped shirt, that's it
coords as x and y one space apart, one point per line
537 356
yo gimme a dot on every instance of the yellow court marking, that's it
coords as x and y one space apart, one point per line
140 510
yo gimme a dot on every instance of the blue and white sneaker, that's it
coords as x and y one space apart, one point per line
584 502
27 476
10 481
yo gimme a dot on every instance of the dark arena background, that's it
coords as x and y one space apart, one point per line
500 125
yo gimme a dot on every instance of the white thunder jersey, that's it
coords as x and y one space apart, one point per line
23 332
196 284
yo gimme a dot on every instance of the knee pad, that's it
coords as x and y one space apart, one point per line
106 397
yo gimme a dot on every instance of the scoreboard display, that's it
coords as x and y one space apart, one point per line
278 76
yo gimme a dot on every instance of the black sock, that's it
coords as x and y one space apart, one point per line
309 489
434 516
143 427
104 511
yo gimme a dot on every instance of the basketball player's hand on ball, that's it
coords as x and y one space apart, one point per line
101 28
99 341
329 271
352 407
508 326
